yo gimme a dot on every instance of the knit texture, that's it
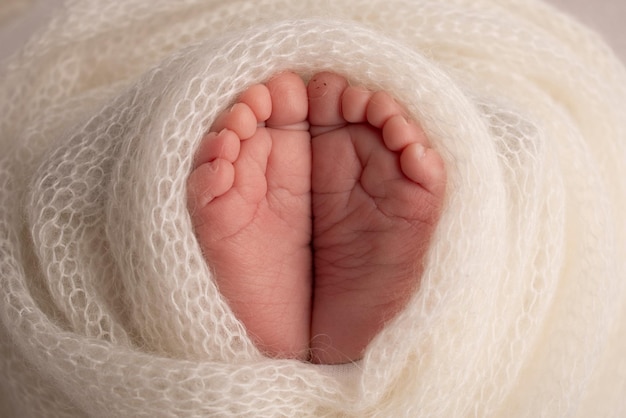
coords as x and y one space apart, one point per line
108 309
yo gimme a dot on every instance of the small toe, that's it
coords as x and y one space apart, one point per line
258 98
208 181
380 108
224 145
398 133
354 104
239 119
424 166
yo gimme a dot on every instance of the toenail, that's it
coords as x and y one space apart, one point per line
213 167
420 150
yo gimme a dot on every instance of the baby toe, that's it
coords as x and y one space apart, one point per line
424 166
380 108
224 145
354 104
258 98
208 181
398 133
239 119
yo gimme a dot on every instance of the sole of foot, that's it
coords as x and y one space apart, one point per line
377 192
249 200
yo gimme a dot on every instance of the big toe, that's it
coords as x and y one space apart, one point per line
289 102
325 92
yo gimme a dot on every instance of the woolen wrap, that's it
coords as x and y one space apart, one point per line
108 309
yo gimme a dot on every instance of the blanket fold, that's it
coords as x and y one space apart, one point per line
107 307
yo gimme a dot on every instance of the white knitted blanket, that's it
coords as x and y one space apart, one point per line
107 308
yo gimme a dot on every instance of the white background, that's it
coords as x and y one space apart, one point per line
605 16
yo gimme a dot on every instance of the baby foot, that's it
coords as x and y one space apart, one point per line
250 204
377 192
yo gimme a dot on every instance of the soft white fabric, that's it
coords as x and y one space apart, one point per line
108 309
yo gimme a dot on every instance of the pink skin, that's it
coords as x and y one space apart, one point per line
250 202
364 174
377 191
